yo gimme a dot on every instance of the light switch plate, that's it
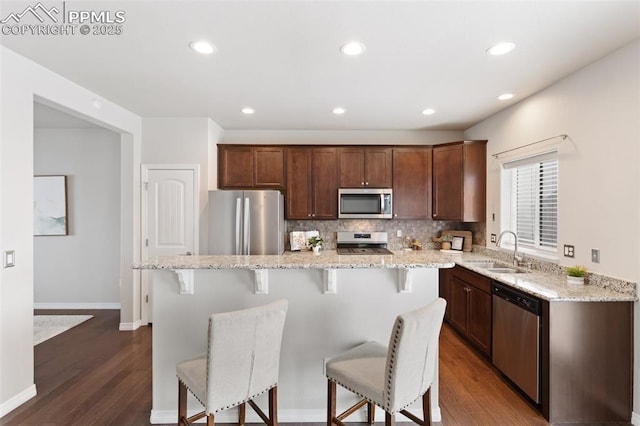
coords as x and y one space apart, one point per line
9 259
595 255
493 238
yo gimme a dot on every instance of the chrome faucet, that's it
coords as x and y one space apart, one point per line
516 259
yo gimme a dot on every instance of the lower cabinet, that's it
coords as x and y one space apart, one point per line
468 297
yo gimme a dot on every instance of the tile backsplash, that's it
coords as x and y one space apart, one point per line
423 230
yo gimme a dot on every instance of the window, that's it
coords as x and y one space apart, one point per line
530 202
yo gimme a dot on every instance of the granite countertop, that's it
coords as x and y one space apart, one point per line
326 259
550 286
547 286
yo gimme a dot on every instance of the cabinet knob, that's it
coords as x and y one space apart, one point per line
366 183
361 183
309 215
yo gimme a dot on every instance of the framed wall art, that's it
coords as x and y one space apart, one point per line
50 205
457 243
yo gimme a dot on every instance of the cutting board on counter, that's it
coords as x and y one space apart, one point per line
468 238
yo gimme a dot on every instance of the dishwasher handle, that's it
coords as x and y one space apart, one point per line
518 298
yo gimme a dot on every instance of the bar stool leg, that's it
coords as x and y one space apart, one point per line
182 403
331 405
371 413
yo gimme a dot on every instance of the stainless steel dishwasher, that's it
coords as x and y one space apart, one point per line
516 337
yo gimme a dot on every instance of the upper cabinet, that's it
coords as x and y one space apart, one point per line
250 167
312 183
459 181
365 167
412 183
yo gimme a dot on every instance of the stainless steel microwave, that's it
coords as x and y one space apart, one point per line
365 203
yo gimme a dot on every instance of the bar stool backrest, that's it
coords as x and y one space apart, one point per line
243 355
412 355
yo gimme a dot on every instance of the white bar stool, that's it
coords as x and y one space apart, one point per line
391 377
242 362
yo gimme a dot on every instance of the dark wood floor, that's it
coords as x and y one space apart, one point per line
94 374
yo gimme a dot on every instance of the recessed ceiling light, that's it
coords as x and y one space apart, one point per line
353 48
203 47
428 111
339 110
501 48
248 110
505 96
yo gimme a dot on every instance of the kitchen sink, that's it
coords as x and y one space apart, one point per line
485 264
496 267
506 270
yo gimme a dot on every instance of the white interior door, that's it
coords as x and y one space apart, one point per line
170 218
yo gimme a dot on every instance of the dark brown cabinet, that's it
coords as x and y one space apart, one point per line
312 183
251 167
365 167
469 306
459 181
412 183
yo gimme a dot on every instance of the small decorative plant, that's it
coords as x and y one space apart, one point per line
576 274
446 238
315 241
576 271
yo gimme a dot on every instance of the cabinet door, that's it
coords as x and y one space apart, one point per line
268 167
459 290
378 164
299 184
236 167
412 183
352 168
325 183
447 183
479 325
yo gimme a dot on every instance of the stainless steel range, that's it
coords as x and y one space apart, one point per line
362 243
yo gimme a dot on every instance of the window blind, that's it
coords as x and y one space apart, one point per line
535 194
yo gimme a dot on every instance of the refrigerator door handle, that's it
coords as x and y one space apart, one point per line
238 220
247 230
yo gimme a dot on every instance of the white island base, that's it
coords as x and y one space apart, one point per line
319 325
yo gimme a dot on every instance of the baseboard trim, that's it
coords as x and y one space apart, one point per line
635 419
47 305
130 326
13 403
284 416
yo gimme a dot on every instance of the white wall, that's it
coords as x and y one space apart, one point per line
599 108
184 141
22 81
340 137
82 269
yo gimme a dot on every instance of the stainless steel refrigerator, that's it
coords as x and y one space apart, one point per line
246 222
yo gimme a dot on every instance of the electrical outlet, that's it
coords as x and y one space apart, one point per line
595 255
569 250
399 233
493 238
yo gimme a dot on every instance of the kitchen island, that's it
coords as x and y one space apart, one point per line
335 303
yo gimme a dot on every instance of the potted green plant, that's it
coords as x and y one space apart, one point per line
576 274
315 243
446 241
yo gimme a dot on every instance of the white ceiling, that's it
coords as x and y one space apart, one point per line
282 58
